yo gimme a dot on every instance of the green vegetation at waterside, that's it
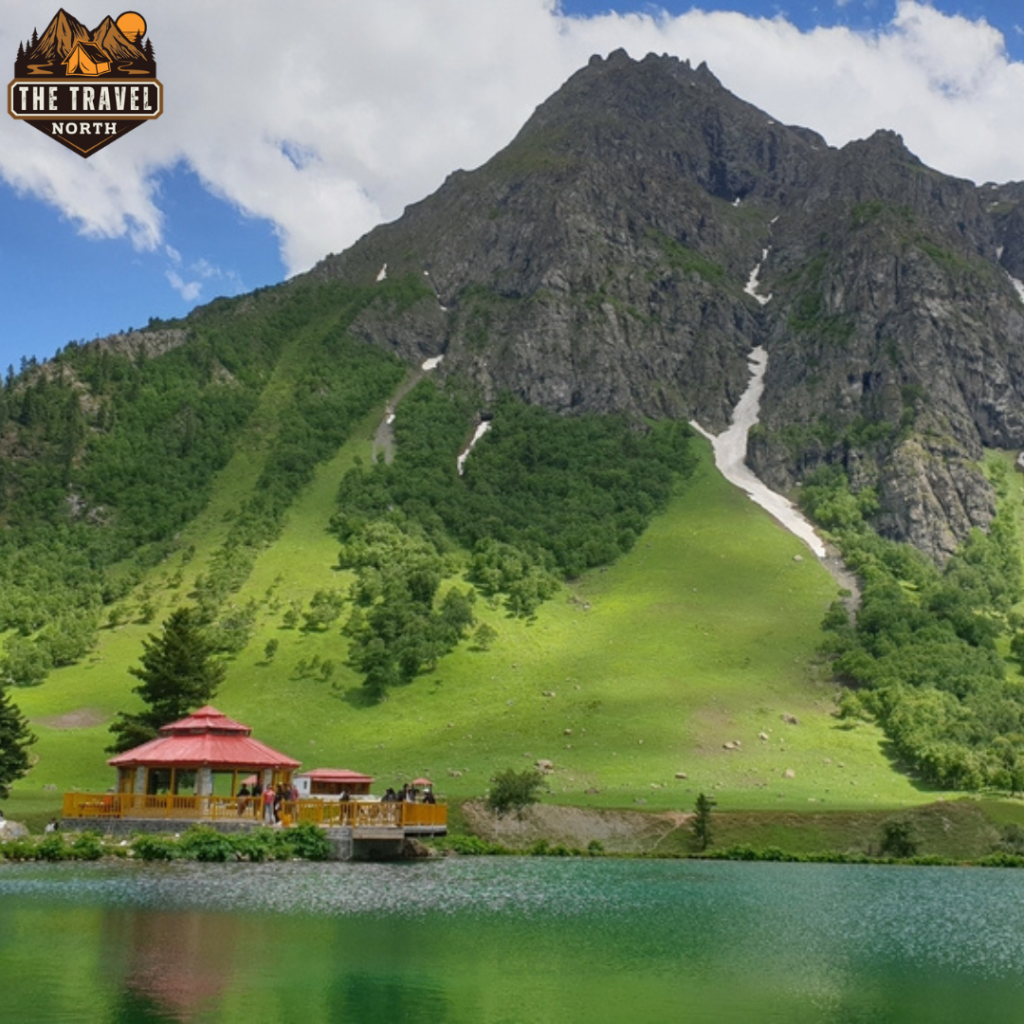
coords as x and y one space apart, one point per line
199 843
924 656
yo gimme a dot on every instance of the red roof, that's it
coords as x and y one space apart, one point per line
205 738
207 718
336 775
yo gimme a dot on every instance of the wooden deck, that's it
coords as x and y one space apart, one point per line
358 814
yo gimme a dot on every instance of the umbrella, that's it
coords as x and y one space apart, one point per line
422 782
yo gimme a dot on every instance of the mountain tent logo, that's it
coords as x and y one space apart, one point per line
86 89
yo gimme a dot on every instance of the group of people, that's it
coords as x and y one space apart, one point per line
270 799
408 794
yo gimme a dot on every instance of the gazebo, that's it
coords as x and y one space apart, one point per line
194 771
202 755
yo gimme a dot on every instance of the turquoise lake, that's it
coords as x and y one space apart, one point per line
510 940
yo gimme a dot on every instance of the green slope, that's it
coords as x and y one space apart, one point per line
705 633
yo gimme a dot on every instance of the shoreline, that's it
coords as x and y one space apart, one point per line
985 831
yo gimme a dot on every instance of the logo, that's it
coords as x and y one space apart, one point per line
86 89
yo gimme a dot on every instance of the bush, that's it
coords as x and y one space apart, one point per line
52 848
261 845
514 791
206 844
470 846
309 841
898 838
153 848
87 846
18 849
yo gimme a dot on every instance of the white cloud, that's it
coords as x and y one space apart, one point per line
200 271
328 116
188 290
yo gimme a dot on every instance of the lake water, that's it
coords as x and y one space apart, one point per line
513 940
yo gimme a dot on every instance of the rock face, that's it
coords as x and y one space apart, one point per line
603 262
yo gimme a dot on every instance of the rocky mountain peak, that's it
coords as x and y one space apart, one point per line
602 260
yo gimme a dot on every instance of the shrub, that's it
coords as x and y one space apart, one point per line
898 838
206 844
87 846
472 846
52 848
153 848
262 844
309 841
514 791
18 849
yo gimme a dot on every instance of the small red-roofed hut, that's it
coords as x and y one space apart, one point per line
203 754
332 782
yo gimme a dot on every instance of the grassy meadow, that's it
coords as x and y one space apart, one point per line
704 634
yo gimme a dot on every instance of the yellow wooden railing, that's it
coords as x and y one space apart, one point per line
354 813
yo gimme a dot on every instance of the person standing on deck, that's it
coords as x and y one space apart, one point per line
268 805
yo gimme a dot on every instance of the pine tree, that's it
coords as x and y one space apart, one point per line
701 824
15 739
178 673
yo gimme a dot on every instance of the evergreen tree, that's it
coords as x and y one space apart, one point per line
701 824
15 739
178 673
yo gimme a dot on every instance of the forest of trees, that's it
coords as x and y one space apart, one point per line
925 656
542 498
106 453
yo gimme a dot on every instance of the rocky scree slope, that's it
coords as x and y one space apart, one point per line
602 262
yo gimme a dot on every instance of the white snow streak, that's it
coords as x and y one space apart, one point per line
481 429
751 286
730 450
429 364
382 273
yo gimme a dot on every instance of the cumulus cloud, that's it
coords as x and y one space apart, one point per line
328 116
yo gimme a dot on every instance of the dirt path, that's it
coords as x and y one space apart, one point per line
384 438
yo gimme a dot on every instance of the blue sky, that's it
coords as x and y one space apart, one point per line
862 15
363 108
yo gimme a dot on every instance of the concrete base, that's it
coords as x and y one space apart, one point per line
341 843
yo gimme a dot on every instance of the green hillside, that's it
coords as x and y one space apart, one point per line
705 633
652 633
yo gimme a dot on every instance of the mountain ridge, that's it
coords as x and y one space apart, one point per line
597 263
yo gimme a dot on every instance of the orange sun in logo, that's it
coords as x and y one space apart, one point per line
132 25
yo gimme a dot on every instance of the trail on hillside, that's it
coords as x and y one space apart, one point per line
730 450
384 438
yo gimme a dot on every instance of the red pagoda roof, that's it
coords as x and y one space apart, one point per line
205 738
206 719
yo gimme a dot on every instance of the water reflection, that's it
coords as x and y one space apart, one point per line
181 962
488 940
